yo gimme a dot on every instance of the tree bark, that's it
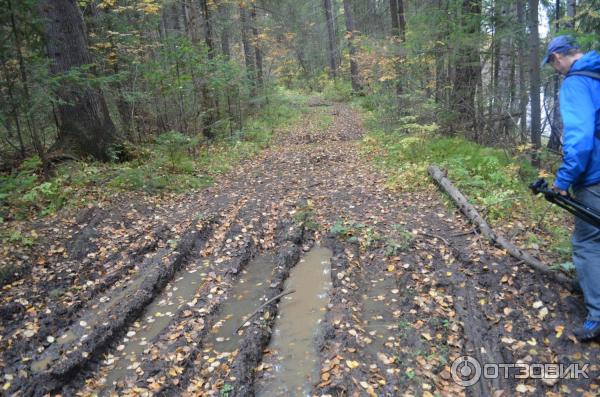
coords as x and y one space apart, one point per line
534 78
571 11
401 20
522 66
208 101
257 50
208 39
467 71
473 215
555 127
224 13
35 136
354 76
249 56
399 36
331 38
86 127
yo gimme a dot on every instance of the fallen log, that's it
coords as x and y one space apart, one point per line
470 212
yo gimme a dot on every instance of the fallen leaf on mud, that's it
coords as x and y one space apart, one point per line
385 359
549 381
521 388
154 386
29 333
175 371
559 330
426 335
352 364
368 388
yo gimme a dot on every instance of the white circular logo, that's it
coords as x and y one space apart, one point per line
466 371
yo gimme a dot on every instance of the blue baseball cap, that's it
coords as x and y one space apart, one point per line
561 44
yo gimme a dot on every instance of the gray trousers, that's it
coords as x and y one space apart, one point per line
586 252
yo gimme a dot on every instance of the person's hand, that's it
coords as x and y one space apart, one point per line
559 191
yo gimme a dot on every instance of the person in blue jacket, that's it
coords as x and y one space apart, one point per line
580 168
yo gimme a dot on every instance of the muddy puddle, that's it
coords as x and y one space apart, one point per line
245 296
380 319
291 368
81 329
156 317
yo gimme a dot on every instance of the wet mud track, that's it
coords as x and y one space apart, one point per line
152 311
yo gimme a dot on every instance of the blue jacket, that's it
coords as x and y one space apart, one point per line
580 111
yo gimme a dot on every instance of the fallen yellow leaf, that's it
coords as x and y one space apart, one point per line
352 364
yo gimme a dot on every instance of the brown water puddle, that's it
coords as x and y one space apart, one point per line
156 317
247 294
83 327
380 320
244 295
295 358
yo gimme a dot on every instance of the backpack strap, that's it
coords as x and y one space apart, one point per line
586 73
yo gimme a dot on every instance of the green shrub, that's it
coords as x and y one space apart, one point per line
338 90
492 179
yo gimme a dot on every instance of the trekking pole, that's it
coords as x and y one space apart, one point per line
575 207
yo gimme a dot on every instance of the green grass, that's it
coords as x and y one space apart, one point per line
173 163
492 179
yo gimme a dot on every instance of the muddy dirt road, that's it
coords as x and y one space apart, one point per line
384 290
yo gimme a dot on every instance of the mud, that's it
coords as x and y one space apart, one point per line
293 359
62 359
412 289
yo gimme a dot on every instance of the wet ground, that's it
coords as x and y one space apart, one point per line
192 295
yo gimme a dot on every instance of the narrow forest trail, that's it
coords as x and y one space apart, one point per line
138 292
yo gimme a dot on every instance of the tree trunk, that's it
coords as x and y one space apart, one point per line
224 13
534 78
208 102
571 11
331 39
257 50
356 86
470 212
249 56
399 36
555 127
395 20
86 127
35 137
467 71
522 61
208 39
401 20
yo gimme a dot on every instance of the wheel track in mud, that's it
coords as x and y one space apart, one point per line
206 298
151 277
434 314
